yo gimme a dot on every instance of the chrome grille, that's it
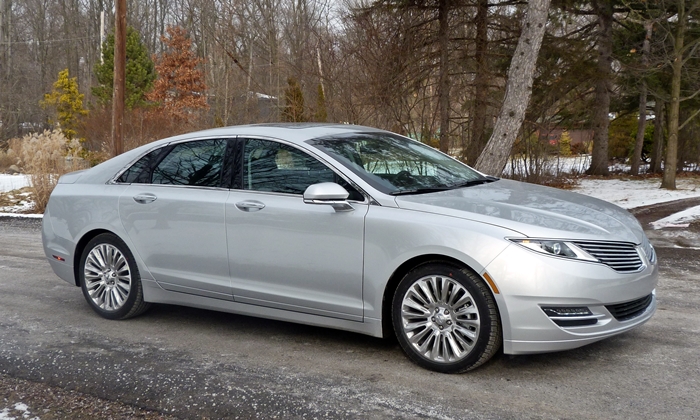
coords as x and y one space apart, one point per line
629 310
620 256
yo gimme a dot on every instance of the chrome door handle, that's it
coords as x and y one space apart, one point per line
145 198
250 205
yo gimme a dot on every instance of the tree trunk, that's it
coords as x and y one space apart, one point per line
641 127
658 146
518 90
642 122
601 119
481 87
669 179
444 83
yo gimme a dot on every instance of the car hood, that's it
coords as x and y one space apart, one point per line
532 210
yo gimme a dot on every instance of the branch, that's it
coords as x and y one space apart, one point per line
695 114
694 47
687 98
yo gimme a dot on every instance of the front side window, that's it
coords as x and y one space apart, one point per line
276 167
195 163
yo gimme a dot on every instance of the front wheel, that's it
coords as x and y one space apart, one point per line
445 318
110 278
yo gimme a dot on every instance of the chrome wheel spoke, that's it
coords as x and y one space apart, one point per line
440 319
454 346
416 306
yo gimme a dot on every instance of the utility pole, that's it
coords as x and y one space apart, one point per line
119 73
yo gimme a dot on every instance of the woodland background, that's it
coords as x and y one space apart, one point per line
616 79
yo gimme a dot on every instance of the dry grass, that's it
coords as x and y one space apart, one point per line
45 157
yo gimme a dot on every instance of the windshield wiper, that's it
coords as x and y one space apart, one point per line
420 191
427 190
471 183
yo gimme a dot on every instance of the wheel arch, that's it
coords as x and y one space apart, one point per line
410 264
80 247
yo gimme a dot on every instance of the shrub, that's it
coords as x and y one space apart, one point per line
7 159
45 157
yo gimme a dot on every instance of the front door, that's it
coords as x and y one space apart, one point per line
284 253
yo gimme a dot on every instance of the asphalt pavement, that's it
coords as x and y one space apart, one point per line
191 363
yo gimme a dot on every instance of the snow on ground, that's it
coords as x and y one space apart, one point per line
19 409
638 192
13 182
678 220
644 192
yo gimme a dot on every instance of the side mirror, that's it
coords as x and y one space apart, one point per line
328 193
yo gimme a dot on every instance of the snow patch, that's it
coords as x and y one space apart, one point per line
678 220
13 182
629 194
20 409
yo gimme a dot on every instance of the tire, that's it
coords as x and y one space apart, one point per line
445 318
110 279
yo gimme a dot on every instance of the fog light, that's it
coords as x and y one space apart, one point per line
566 311
570 316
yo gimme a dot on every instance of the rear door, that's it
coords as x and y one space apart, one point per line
174 214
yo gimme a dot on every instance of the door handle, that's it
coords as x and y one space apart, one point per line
145 198
250 205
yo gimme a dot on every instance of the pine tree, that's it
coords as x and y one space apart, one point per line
68 102
140 71
179 90
294 102
565 144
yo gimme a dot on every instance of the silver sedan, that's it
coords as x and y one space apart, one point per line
352 228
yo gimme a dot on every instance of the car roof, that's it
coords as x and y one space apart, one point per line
293 132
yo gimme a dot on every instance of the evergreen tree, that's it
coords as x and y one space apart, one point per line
294 102
565 144
140 71
179 90
68 102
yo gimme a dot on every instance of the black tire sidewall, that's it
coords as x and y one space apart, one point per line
468 281
110 239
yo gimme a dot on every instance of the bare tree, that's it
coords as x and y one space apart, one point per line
518 89
641 126
683 50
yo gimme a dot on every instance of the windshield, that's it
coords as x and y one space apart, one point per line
396 165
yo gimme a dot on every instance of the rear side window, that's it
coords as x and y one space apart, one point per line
196 163
140 172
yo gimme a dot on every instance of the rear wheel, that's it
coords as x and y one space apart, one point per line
445 318
110 278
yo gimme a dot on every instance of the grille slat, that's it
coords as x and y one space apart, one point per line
620 256
628 310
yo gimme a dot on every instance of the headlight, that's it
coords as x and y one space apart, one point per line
553 247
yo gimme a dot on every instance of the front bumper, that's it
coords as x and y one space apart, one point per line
528 282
